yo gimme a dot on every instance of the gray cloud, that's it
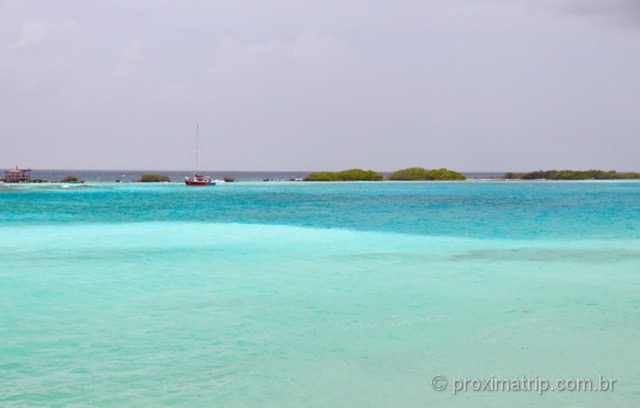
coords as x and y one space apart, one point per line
611 13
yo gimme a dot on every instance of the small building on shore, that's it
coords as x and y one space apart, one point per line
17 175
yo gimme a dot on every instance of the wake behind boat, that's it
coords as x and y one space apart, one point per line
198 179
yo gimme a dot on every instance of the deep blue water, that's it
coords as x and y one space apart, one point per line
513 210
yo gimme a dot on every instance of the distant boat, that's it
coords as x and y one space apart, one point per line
198 179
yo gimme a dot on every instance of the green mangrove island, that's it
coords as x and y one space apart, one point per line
413 173
418 173
344 175
153 178
572 175
71 179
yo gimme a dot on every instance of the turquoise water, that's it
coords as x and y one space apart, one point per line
317 295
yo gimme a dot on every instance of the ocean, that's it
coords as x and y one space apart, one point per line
295 294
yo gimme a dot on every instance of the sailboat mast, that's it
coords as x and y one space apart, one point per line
197 145
198 179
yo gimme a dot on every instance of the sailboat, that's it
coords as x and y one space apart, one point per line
198 179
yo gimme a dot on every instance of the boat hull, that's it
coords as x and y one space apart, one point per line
199 183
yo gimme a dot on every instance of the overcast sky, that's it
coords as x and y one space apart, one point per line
472 85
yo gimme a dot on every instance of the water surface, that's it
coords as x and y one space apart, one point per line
316 294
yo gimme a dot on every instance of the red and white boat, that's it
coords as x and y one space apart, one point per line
198 179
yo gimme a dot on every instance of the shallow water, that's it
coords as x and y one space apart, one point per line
321 295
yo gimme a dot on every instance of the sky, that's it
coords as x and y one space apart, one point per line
470 85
